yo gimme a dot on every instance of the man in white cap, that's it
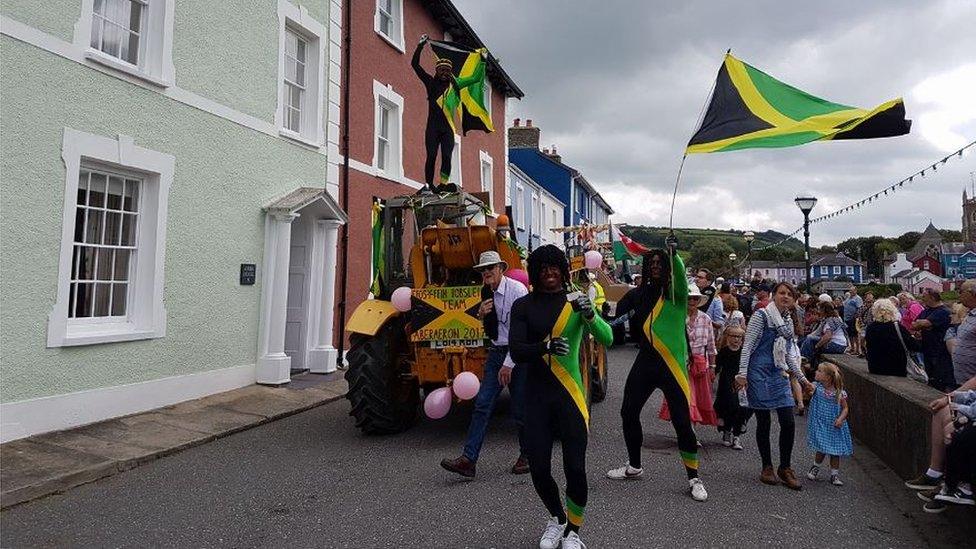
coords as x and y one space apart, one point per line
499 293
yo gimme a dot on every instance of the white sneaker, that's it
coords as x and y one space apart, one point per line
736 443
814 472
698 492
573 541
836 481
552 535
625 473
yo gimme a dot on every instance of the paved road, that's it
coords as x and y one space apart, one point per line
312 480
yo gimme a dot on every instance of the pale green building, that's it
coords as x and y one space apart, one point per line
156 157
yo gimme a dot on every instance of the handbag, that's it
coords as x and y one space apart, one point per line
913 369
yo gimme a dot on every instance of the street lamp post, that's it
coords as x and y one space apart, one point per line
806 204
732 258
749 236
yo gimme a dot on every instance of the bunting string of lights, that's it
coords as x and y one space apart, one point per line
889 190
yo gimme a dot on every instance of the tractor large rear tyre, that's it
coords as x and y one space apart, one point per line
382 402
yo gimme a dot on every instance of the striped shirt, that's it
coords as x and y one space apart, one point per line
701 336
964 353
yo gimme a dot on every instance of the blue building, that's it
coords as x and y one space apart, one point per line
958 260
534 211
566 184
833 267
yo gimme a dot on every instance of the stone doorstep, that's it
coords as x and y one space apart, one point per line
55 462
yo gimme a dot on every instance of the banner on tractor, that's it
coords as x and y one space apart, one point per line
447 316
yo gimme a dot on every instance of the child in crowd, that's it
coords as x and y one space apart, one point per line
731 416
827 431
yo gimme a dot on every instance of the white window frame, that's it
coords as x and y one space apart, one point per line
489 186
156 43
397 25
836 269
146 314
536 213
520 203
297 20
384 94
849 269
456 173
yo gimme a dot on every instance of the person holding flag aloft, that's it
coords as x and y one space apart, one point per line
660 307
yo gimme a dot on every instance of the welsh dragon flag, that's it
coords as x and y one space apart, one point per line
624 246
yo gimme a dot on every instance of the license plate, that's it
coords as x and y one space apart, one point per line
457 343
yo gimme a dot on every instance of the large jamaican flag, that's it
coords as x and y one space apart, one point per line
469 69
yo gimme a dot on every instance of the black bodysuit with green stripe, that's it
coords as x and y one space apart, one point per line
555 398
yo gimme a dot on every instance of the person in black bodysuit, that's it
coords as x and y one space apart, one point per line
545 338
651 371
439 133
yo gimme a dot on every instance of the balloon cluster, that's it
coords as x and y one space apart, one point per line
438 402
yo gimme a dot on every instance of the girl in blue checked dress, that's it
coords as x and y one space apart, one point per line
827 430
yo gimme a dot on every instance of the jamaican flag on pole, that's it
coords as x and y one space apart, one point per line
468 98
750 109
379 247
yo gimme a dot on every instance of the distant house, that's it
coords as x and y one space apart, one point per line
917 280
566 184
959 260
893 264
534 211
836 266
779 271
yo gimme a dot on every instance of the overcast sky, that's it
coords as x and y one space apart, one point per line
618 87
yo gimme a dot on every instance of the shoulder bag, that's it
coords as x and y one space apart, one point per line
914 370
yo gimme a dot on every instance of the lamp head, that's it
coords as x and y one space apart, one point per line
749 236
805 203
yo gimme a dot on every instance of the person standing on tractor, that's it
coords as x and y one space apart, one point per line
500 371
547 331
660 307
439 134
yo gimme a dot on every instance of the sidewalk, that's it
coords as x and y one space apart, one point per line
54 462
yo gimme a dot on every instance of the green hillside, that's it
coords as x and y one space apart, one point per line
654 237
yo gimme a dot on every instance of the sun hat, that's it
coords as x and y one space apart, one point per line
489 259
693 291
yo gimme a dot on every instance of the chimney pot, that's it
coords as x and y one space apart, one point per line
545 151
528 123
517 122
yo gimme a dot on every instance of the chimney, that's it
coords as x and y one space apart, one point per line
545 151
523 137
517 122
555 155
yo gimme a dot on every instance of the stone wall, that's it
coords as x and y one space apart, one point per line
889 415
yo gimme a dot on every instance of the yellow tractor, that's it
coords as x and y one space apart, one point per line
430 244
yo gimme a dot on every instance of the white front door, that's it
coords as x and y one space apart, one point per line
297 309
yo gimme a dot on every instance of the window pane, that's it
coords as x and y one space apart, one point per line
300 73
381 152
385 24
113 222
93 232
115 193
135 18
96 190
111 37
128 230
388 6
82 187
130 201
290 69
83 300
103 265
96 33
130 49
291 44
79 224
121 265
119 299
99 7
385 122
294 120
300 52
296 98
103 292
86 263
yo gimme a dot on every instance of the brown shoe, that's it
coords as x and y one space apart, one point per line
462 466
521 466
788 477
768 477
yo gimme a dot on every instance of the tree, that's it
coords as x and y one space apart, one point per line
711 253
908 240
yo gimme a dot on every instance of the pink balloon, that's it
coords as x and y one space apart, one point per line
466 385
593 259
519 275
438 403
401 299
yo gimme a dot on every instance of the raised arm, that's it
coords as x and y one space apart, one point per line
415 63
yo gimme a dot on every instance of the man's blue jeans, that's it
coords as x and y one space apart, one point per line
809 350
484 403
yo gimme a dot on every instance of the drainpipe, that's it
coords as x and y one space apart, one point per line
343 280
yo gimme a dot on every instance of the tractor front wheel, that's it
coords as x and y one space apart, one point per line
382 401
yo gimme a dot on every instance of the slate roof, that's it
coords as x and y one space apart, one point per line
840 258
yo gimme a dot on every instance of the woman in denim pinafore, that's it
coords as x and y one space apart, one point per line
768 385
